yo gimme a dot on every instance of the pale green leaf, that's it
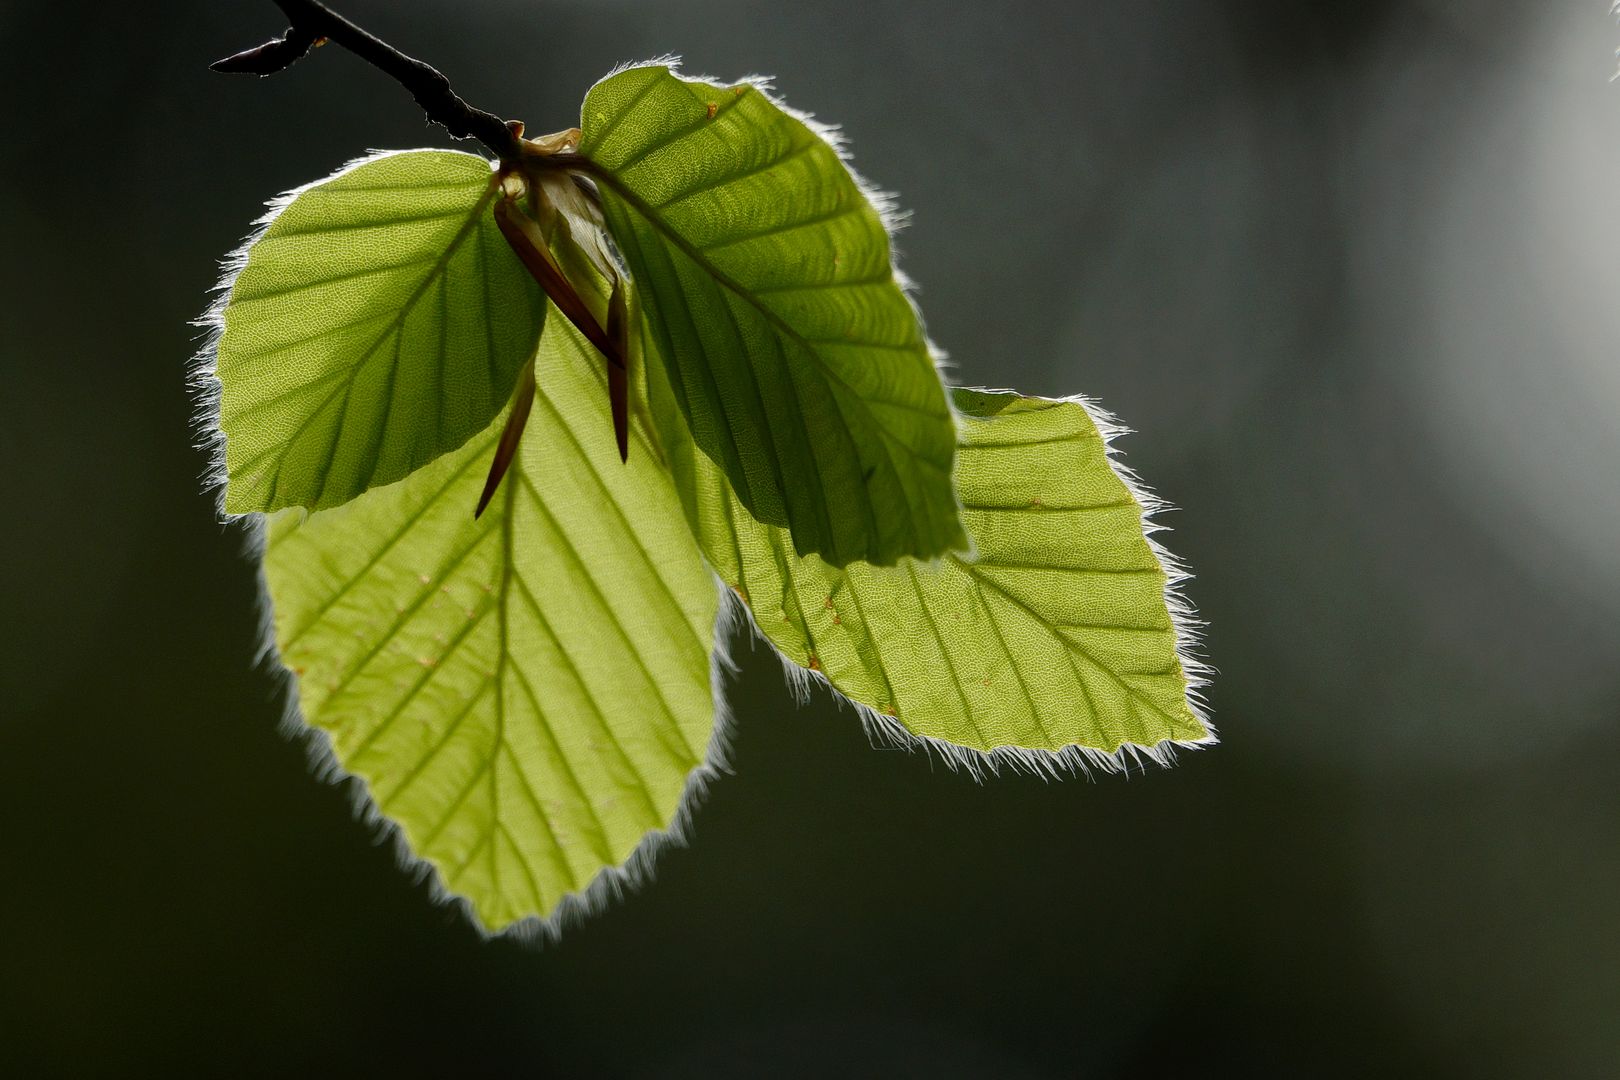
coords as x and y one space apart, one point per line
379 321
1056 636
765 275
526 695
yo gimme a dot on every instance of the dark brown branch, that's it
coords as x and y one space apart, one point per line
314 23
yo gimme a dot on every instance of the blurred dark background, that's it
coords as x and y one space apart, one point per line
1349 268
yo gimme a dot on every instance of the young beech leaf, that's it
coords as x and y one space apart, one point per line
378 321
526 695
765 276
1055 645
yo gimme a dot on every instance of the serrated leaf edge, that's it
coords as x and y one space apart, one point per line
608 886
886 203
887 732
202 374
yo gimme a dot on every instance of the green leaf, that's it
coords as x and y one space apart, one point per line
378 321
526 695
1058 644
765 275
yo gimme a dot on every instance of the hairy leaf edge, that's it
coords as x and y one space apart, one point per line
884 732
202 374
887 732
886 203
610 884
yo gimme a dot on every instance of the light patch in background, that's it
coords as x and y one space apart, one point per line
1462 596
1489 267
1520 388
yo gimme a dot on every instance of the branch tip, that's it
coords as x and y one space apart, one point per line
314 24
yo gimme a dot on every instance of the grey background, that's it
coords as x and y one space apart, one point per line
1349 268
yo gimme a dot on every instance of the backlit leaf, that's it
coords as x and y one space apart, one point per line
1056 636
526 695
379 321
765 275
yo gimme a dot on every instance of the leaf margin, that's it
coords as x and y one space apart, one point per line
611 883
885 205
609 886
202 381
885 731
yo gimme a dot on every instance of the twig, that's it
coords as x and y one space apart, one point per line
313 23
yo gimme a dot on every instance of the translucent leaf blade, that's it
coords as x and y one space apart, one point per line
526 695
765 274
1057 636
378 321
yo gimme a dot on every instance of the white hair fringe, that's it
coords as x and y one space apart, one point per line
612 883
887 731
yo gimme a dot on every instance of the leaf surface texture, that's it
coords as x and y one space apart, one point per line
765 274
1056 633
526 695
379 321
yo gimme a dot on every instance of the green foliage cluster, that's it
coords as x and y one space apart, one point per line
667 360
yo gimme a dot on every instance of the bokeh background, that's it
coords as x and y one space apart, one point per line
1348 267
